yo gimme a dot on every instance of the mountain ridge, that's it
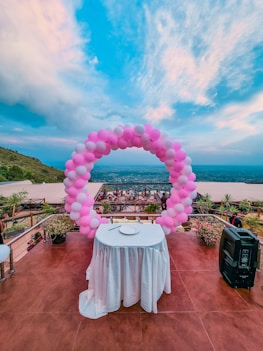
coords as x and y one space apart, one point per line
15 166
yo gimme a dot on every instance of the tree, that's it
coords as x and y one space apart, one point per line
227 201
245 205
252 222
14 200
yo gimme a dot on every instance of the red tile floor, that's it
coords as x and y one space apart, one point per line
39 305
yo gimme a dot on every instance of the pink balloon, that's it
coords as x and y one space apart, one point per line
103 134
176 146
123 144
85 230
104 220
93 136
85 210
154 134
91 233
178 166
136 141
127 134
67 207
70 165
168 221
78 159
69 200
180 155
98 154
89 156
84 221
188 209
182 217
190 186
182 193
72 191
79 183
192 177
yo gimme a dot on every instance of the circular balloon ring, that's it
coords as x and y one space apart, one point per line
79 203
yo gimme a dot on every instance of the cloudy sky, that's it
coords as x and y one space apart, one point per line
191 68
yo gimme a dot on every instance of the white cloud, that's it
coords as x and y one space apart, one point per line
159 113
44 66
192 48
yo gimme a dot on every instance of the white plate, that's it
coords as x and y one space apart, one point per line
129 230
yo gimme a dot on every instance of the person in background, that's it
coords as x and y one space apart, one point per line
2 227
163 201
235 220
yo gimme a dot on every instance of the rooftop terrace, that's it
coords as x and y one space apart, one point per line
39 305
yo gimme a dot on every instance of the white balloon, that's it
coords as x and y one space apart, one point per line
186 201
89 166
93 213
101 146
72 175
81 170
139 129
193 194
187 170
118 131
74 215
179 208
182 180
188 160
90 146
81 197
166 230
67 182
4 252
80 148
170 153
76 206
167 143
94 223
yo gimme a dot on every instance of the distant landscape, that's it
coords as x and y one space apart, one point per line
15 166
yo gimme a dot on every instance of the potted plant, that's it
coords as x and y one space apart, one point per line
209 231
57 228
152 208
106 207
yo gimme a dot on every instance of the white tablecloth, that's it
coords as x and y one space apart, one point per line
128 268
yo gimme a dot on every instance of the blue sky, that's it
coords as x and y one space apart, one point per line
192 69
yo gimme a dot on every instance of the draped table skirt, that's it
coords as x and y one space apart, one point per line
126 274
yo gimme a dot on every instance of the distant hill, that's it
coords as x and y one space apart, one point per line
15 166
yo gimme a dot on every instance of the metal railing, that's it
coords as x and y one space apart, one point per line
18 248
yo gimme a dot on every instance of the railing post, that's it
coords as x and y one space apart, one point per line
45 235
2 272
11 262
258 258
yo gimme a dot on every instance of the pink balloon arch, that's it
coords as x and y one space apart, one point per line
79 203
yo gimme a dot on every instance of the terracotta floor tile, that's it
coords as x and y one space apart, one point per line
178 300
116 332
39 305
235 330
209 292
38 331
174 331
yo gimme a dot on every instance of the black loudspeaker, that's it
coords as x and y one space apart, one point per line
238 257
